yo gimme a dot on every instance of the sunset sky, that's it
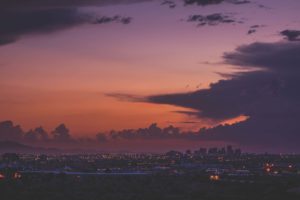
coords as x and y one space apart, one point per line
59 63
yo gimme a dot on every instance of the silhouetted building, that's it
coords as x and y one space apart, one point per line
203 151
237 152
222 151
213 151
229 150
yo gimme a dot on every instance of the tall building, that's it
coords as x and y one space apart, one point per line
229 150
203 151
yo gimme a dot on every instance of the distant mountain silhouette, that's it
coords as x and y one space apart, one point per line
15 147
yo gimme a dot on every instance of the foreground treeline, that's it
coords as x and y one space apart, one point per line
146 187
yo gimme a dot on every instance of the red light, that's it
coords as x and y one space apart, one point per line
2 176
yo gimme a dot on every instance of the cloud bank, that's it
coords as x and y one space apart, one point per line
267 93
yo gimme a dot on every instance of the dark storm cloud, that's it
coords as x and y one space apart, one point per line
291 35
6 39
280 57
15 23
211 20
275 83
18 18
268 94
61 3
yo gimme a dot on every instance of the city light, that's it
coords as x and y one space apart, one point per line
214 178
